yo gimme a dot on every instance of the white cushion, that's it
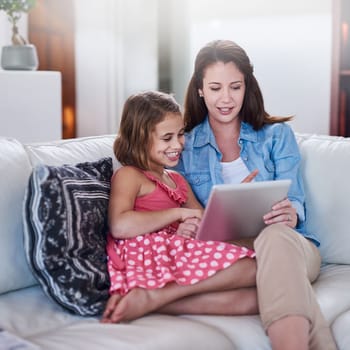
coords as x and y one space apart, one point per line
245 332
71 151
15 170
326 168
341 332
332 290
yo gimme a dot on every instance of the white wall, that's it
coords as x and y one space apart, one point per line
289 44
116 55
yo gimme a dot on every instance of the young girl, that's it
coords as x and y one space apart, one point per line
155 263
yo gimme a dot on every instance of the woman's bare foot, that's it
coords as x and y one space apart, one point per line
110 307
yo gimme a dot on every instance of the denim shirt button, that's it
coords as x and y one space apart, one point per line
197 180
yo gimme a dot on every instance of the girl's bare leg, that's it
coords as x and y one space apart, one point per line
139 302
231 302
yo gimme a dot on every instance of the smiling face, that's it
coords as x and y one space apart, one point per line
167 142
223 91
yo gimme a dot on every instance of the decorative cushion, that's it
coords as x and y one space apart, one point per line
65 227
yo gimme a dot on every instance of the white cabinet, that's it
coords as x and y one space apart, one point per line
30 105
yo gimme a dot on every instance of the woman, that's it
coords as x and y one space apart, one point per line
230 136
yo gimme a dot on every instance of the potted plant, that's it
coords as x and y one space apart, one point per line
20 55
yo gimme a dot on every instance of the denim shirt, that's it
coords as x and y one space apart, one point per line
272 150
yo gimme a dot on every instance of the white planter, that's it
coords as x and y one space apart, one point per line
19 57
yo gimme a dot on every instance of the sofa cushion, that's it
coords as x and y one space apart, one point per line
14 169
65 224
71 151
340 329
54 329
325 168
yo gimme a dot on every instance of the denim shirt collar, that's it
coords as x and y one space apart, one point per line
247 133
205 135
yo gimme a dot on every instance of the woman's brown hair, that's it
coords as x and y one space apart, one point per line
226 51
141 113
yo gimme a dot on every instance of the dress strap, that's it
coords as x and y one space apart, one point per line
150 176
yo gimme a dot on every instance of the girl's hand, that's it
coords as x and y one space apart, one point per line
187 213
188 228
282 212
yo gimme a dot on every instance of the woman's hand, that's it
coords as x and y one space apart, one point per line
282 212
251 176
188 228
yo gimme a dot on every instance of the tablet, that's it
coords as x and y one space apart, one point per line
236 210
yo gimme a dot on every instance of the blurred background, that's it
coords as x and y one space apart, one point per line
109 49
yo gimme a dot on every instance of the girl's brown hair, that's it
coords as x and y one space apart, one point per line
252 112
141 113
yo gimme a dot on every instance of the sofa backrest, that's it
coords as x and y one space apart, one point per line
326 168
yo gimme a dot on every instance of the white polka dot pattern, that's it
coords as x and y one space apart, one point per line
155 259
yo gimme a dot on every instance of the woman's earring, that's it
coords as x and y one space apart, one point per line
200 94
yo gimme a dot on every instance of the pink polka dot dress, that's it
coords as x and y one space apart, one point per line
152 260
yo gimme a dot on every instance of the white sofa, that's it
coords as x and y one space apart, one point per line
27 312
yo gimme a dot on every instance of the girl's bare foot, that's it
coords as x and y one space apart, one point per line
110 307
138 302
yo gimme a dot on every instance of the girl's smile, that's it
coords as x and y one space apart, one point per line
173 156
